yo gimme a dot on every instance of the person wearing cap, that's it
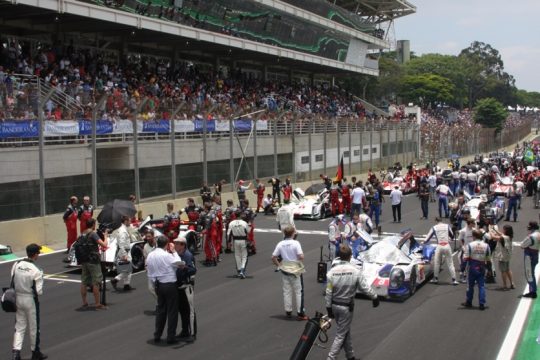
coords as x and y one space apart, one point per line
185 279
161 266
28 284
91 273
530 246
70 219
241 191
238 231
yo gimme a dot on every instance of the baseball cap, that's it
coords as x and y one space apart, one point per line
533 225
181 240
33 249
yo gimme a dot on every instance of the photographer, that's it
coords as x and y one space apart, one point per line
89 259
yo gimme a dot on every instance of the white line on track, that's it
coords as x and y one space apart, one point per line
513 334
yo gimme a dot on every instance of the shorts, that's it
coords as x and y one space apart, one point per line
504 266
91 274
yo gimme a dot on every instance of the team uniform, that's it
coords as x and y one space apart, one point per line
238 231
442 234
70 217
28 284
343 281
477 254
85 212
531 245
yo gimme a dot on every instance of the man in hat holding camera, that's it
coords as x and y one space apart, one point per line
531 245
28 284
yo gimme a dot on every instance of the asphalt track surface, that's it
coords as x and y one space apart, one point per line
244 319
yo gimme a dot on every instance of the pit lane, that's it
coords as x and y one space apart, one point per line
244 319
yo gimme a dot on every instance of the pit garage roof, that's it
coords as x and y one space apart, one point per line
378 10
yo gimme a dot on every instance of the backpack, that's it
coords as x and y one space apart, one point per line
9 297
85 250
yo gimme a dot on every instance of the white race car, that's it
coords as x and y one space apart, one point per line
502 186
396 265
314 203
496 209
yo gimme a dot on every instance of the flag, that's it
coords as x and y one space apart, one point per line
339 172
528 156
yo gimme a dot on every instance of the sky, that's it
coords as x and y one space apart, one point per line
448 26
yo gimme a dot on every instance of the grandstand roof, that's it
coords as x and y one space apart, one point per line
73 16
378 10
156 37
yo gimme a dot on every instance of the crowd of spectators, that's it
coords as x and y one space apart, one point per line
86 74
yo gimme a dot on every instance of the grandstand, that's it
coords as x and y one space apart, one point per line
116 61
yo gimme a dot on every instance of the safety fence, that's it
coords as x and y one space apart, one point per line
111 154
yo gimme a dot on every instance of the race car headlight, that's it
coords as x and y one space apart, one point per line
397 276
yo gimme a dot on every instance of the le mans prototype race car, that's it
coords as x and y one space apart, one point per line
396 265
502 186
496 208
314 203
405 186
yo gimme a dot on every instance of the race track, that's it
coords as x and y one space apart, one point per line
244 319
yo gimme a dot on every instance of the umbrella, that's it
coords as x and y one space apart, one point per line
113 211
454 156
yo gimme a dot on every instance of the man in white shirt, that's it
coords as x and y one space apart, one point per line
285 216
358 196
519 186
471 180
161 266
432 181
443 192
396 196
291 268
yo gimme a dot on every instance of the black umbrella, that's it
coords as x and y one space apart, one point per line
113 211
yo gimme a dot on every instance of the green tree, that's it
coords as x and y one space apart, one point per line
490 113
484 74
426 89
447 66
526 98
